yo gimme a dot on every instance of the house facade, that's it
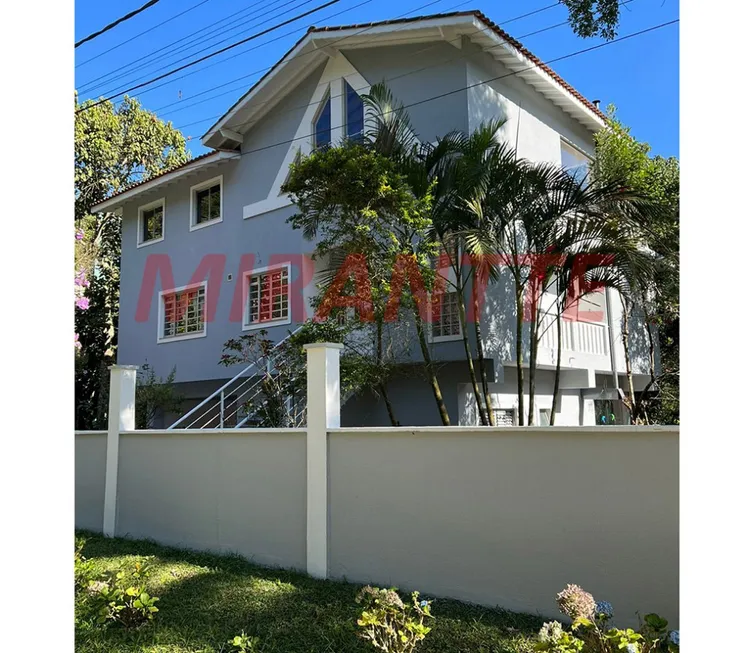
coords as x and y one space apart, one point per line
212 235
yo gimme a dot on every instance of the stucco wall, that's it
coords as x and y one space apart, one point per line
241 491
508 517
90 463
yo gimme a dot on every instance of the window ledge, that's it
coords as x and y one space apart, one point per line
266 325
187 336
439 339
150 242
207 223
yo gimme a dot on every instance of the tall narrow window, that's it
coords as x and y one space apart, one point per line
445 321
323 125
207 203
183 313
267 298
354 114
151 223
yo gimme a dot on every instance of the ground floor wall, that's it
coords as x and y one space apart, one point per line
413 401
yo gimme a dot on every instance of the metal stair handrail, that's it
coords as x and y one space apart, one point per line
222 390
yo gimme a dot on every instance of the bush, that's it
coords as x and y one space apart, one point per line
591 631
84 569
245 644
121 597
388 623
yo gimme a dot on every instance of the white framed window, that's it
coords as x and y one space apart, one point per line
445 317
504 416
182 313
151 222
322 124
267 297
574 160
354 113
206 203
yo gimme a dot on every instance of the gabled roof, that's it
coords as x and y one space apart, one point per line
310 51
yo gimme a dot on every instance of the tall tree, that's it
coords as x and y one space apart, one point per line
619 155
590 18
114 146
360 209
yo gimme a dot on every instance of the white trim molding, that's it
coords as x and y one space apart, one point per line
208 183
246 280
160 339
330 85
145 207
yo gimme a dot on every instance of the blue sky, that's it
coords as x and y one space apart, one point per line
640 75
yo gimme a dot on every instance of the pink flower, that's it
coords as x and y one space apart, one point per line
82 303
79 234
80 279
77 342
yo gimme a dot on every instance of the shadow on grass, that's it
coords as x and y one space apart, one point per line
206 599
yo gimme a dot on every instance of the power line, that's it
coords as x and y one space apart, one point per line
261 70
411 72
481 83
388 79
209 56
283 11
150 29
238 54
129 67
132 14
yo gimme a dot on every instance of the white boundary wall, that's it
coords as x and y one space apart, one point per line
498 516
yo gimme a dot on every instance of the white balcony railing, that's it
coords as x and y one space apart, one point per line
576 336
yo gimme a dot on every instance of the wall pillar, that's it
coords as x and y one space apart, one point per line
122 381
322 413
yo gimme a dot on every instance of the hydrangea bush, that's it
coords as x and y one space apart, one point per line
592 632
389 623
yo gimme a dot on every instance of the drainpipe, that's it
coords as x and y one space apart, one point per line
611 339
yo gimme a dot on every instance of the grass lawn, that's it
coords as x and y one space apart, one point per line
207 599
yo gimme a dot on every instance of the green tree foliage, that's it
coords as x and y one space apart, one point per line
356 202
594 17
154 395
114 146
620 155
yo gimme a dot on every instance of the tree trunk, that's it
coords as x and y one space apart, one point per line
430 370
388 404
534 340
557 379
481 357
629 374
518 341
469 357
382 385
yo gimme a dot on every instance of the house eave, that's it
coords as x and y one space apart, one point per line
206 162
319 43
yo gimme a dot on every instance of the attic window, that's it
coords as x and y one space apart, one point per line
323 125
354 114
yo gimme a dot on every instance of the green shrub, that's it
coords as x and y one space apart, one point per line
245 644
388 623
84 569
591 631
121 597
